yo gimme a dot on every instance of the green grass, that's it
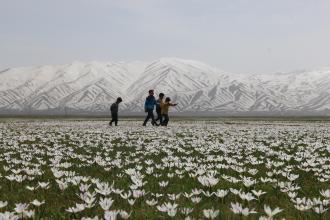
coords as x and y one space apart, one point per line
186 146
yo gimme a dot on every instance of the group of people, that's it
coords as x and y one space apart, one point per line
162 108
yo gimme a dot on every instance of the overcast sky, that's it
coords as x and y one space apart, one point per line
243 36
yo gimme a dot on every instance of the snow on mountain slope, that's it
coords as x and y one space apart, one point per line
18 83
174 75
298 89
197 87
47 87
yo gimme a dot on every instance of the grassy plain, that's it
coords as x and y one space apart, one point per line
193 167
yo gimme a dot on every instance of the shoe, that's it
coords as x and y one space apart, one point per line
110 124
144 125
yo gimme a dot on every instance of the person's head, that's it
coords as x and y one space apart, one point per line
119 100
168 99
161 95
151 92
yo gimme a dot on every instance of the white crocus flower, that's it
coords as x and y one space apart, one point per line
43 185
131 201
207 193
208 180
21 207
31 188
246 196
124 215
196 199
62 185
117 191
28 214
8 216
106 203
88 198
37 203
196 191
221 193
152 202
174 196
302 207
171 212
292 194
247 211
163 183
210 213
186 211
234 191
169 208
320 209
103 189
271 213
3 204
126 195
138 193
247 181
325 193
238 209
84 187
77 208
258 193
110 215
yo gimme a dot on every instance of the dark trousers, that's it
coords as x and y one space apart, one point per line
150 115
159 117
114 118
166 119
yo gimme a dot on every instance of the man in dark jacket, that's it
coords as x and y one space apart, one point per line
114 111
149 108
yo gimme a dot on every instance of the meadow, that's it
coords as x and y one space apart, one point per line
193 169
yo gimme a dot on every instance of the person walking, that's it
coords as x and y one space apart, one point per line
149 108
114 111
165 107
159 103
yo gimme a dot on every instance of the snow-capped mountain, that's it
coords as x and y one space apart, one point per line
91 87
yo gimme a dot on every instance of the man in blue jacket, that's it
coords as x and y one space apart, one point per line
149 108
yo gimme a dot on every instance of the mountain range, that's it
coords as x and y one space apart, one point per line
90 88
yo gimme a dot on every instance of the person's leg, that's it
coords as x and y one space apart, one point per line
116 119
112 117
161 119
147 118
153 122
166 119
157 116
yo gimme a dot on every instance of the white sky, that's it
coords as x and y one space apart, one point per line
241 36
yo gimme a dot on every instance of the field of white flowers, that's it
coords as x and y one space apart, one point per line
80 169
